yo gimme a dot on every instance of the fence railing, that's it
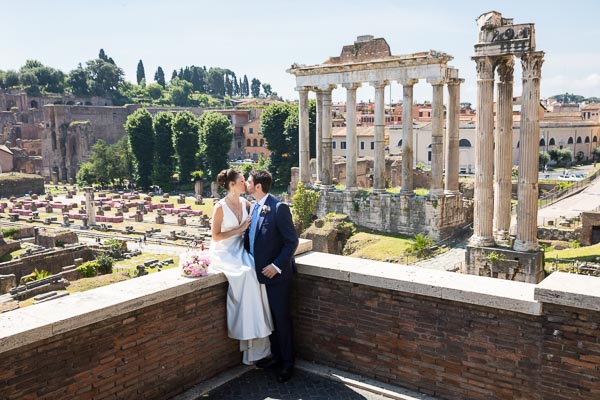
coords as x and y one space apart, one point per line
556 194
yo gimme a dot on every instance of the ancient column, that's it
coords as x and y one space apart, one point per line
90 209
407 137
503 152
326 155
528 153
379 159
304 139
351 140
319 136
452 133
484 154
437 138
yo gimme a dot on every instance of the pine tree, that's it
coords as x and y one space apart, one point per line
246 87
174 74
140 74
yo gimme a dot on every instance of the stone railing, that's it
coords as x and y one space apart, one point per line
449 335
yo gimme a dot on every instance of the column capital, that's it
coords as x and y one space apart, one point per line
455 81
326 88
351 86
303 88
506 67
485 67
379 84
437 81
532 64
408 81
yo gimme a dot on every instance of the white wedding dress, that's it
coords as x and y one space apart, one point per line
248 314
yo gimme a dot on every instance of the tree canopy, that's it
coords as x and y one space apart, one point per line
186 143
216 134
141 140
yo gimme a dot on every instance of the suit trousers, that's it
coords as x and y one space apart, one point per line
282 341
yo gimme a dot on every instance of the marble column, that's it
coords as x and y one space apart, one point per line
351 139
484 154
407 137
452 137
528 153
379 159
319 136
503 152
326 150
437 138
304 139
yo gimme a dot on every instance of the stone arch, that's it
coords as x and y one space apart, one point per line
552 142
587 139
570 141
464 143
542 142
579 140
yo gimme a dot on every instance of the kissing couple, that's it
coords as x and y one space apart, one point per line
253 244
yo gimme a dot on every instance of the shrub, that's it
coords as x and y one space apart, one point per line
9 232
305 205
420 245
105 263
37 275
88 269
116 248
575 244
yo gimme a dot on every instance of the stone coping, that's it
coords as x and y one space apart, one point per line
571 290
470 289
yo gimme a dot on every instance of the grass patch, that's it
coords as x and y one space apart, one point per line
12 255
378 246
587 253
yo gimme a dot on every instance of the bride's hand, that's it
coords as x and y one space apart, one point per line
245 224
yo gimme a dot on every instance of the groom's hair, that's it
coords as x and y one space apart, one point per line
263 177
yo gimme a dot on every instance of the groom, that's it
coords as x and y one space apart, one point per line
272 240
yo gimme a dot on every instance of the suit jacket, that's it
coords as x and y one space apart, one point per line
275 241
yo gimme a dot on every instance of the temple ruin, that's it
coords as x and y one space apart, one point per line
369 60
499 41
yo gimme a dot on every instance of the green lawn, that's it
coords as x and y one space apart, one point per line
587 253
381 247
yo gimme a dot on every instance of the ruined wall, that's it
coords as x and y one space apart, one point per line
15 184
439 217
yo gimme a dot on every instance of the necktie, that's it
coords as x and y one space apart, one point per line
253 226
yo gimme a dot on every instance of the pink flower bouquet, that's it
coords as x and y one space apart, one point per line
194 263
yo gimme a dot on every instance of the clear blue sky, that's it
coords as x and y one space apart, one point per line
263 38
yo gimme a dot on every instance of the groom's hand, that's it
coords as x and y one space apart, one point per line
269 271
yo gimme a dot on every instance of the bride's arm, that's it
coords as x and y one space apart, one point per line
217 220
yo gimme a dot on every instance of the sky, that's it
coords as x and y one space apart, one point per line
263 38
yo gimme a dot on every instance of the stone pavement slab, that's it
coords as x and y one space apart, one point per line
310 382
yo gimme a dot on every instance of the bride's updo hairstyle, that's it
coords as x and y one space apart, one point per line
226 176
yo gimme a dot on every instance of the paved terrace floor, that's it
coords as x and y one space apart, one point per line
310 382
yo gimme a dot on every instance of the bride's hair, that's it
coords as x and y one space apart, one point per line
226 176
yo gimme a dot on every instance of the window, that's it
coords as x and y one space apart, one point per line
372 145
239 145
420 113
570 141
248 142
400 143
518 143
262 142
251 130
587 139
255 142
542 142
464 143
579 139
362 145
333 144
552 142
595 139
343 145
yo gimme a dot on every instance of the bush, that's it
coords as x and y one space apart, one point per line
305 205
37 275
9 232
421 245
105 263
116 248
88 269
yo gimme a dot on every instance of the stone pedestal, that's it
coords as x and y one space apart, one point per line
138 217
181 221
49 210
159 219
501 263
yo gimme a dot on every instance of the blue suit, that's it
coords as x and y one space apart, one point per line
275 242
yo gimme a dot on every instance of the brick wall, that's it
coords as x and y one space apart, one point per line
155 352
438 347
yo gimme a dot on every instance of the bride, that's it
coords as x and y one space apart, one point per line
248 314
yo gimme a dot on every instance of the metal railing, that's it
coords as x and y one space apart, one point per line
556 194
